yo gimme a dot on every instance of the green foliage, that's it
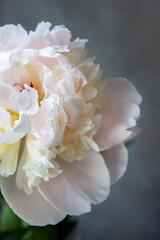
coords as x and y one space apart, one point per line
14 228
129 143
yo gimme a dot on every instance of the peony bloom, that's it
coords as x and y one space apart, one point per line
56 115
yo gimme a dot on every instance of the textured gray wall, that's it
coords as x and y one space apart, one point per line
125 37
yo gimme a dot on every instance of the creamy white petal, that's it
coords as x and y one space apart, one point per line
23 125
81 183
7 120
52 50
49 130
26 101
32 208
116 159
63 61
77 51
9 160
24 56
5 92
72 107
90 70
42 28
10 136
12 36
4 118
21 178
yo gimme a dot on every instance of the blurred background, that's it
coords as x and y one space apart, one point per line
125 37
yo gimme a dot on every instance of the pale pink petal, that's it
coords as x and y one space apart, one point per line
11 81
118 116
59 35
42 37
24 56
12 36
5 92
16 75
32 208
116 159
73 108
81 183
122 88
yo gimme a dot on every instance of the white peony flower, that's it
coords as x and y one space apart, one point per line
56 115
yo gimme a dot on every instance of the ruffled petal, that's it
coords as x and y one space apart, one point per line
118 117
116 160
42 37
38 165
5 92
7 120
26 101
81 183
12 36
23 125
49 130
11 81
32 208
4 118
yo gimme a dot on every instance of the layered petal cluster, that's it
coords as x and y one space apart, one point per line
56 116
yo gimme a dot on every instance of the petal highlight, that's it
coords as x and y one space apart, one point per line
32 208
81 183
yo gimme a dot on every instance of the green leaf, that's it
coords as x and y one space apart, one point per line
129 143
14 228
9 220
18 234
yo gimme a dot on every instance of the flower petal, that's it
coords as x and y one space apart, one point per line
7 134
32 208
122 88
116 160
9 160
23 125
26 101
12 36
81 183
118 116
4 118
5 92
42 37
10 81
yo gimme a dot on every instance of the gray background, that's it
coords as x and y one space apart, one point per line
125 37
